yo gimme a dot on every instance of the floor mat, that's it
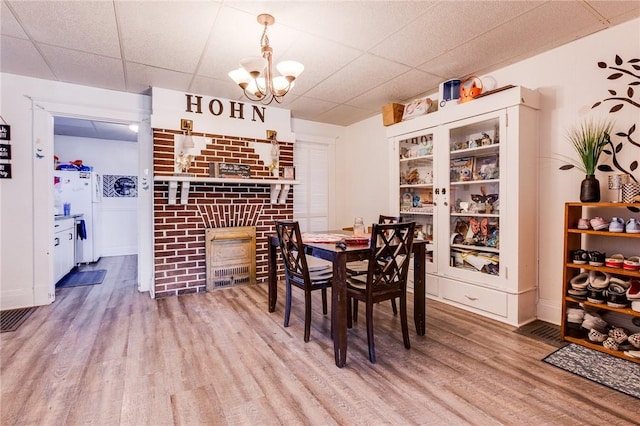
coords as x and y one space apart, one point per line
12 319
76 278
615 373
543 331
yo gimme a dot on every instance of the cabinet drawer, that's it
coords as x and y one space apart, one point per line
477 297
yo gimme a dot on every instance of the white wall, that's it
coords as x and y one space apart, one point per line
26 204
570 82
118 215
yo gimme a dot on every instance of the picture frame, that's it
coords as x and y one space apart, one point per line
487 167
461 169
289 172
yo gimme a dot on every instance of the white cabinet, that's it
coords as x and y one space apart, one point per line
468 177
63 247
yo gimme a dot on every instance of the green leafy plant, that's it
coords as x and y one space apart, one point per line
589 139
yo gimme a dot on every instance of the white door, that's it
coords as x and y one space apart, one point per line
311 196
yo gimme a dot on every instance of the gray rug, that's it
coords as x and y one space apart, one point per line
616 373
76 278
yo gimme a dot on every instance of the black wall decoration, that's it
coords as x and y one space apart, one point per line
627 73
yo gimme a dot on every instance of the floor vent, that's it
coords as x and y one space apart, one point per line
543 331
12 319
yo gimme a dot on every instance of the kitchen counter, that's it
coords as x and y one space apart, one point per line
71 216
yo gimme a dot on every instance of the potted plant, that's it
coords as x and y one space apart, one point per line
589 139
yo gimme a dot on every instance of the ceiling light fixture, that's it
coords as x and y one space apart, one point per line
255 76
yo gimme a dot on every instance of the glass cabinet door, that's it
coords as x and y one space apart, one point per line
416 159
473 191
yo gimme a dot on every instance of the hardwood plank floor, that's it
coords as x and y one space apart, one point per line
108 355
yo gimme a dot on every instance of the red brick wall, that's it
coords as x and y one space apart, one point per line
179 230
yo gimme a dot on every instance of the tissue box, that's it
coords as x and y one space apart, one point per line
392 114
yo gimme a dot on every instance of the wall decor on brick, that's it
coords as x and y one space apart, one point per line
179 230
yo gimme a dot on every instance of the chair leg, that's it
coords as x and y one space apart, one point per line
324 301
355 310
372 347
287 303
350 312
394 308
403 321
307 315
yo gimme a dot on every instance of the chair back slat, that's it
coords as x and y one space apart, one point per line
292 249
390 254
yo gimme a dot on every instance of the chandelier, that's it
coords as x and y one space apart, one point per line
255 76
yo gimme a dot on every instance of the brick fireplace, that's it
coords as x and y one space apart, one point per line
180 230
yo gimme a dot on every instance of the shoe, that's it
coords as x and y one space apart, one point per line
583 223
618 334
616 297
580 281
598 223
619 281
596 258
634 339
599 280
596 337
633 292
595 295
611 344
616 225
580 257
615 261
632 263
633 226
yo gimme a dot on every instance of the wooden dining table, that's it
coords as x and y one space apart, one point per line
339 258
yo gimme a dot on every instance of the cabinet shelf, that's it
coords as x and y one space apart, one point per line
475 182
603 233
604 306
416 185
470 248
419 158
478 151
467 214
608 270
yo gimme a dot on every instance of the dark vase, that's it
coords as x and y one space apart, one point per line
590 190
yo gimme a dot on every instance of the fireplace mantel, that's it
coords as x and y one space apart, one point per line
279 187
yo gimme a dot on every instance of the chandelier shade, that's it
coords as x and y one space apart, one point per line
255 75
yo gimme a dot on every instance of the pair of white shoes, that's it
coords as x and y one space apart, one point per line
596 279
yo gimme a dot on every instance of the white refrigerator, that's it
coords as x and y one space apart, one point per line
83 191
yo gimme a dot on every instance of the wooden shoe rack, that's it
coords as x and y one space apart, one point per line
589 239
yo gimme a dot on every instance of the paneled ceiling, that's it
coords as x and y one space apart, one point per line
358 55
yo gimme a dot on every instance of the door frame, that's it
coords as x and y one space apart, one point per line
43 139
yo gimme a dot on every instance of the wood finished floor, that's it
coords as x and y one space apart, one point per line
108 355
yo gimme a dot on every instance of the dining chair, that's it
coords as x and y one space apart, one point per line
298 272
386 278
360 267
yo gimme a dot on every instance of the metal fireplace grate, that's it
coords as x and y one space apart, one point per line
230 256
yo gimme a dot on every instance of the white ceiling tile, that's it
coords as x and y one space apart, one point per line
216 88
142 77
369 71
361 53
343 115
401 89
447 25
308 108
613 9
8 24
92 70
84 26
19 56
172 36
